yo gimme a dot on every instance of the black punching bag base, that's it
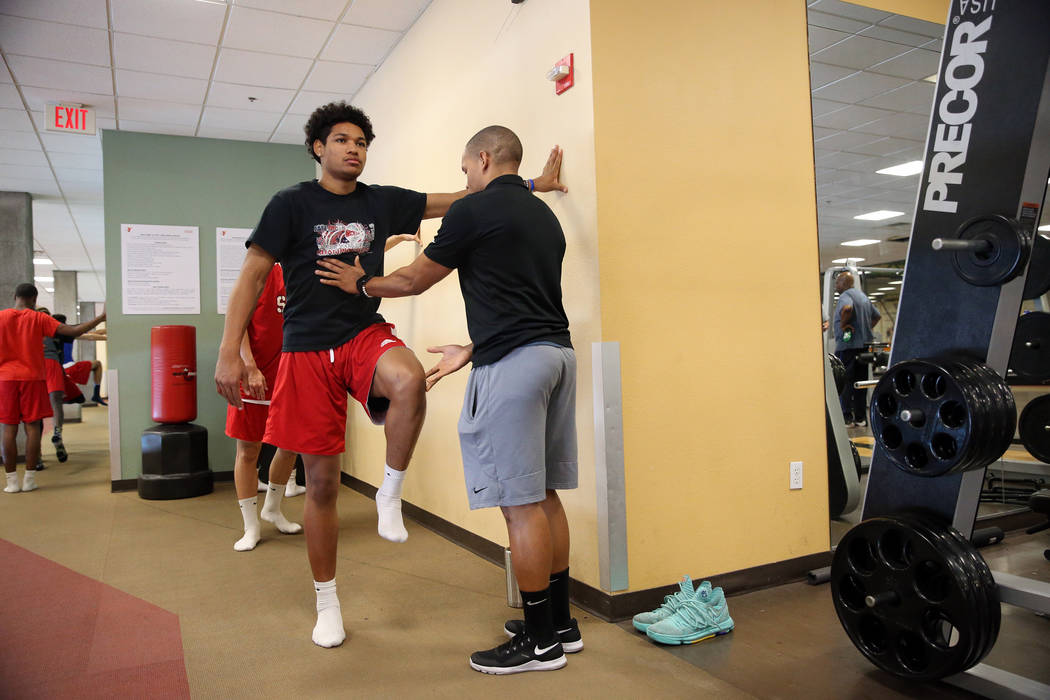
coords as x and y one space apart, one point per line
175 462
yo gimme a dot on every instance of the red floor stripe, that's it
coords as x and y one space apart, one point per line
70 636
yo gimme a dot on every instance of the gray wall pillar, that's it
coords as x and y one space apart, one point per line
65 296
16 244
85 350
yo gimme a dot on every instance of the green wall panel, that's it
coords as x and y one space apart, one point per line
181 181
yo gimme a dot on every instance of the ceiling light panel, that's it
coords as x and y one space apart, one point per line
880 215
903 170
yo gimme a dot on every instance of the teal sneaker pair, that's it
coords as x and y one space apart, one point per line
695 620
672 603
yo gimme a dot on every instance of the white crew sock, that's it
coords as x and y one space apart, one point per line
271 510
262 487
251 525
12 483
293 489
29 481
388 506
328 632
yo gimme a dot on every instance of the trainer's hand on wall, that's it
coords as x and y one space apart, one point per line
453 357
228 372
549 180
336 273
256 383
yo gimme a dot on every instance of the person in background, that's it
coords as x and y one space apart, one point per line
854 318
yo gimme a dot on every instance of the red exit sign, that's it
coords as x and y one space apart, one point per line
70 118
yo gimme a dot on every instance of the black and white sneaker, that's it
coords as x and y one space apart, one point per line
517 655
570 638
60 449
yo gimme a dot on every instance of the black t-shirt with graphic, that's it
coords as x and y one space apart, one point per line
508 246
306 222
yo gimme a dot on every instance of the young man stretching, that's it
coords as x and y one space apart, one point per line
334 344
23 389
518 425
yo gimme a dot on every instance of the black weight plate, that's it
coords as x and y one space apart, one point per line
1037 282
1011 246
928 585
998 445
1034 427
992 419
1030 355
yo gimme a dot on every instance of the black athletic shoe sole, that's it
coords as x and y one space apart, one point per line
518 655
571 641
532 665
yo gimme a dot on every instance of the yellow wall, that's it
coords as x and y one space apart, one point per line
465 65
708 254
929 10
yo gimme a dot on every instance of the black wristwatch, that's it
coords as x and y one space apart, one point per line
361 282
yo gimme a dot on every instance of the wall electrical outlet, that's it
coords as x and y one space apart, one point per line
796 476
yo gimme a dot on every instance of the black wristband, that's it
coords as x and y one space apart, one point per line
361 282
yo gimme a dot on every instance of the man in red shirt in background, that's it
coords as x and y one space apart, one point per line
23 390
261 353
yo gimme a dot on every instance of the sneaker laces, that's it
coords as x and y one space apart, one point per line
696 614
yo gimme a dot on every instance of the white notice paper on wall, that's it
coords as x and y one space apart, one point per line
161 269
229 256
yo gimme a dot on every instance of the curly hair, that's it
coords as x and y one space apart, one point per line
320 123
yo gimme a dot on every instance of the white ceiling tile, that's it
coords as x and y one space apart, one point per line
915 26
859 52
14 120
60 75
290 130
821 38
154 128
151 86
198 22
841 160
838 22
9 97
353 44
39 98
318 9
859 86
71 143
233 119
77 175
329 76
256 30
236 96
84 13
82 189
21 140
821 133
158 111
902 124
38 187
821 74
154 56
916 97
80 161
849 117
51 216
105 123
895 35
915 64
12 156
844 140
848 9
30 37
306 102
396 15
5 75
289 138
264 70
233 134
822 107
886 146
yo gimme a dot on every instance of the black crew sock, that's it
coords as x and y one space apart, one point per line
560 614
538 623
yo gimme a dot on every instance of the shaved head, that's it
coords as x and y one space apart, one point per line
502 145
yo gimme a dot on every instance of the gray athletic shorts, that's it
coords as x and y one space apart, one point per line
518 427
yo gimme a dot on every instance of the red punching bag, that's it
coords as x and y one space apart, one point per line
173 367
